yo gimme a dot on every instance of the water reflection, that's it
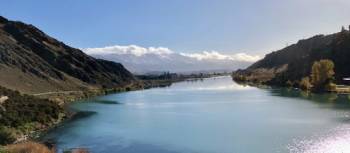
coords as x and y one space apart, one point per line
338 101
336 140
211 116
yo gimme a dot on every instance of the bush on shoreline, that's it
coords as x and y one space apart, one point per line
320 78
7 135
305 84
22 114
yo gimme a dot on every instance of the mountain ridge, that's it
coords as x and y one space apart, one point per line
32 62
294 62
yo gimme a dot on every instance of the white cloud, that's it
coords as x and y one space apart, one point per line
131 49
214 55
142 60
163 51
205 55
246 57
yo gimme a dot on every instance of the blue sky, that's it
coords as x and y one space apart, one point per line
228 26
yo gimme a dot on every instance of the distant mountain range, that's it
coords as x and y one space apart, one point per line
31 62
294 62
143 60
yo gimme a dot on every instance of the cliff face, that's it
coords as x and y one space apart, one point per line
294 62
31 61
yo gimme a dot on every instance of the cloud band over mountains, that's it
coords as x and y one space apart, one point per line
142 60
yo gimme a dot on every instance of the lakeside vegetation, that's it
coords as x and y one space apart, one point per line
317 64
321 78
166 78
21 115
148 81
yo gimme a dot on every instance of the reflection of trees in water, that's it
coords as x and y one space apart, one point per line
251 84
305 94
340 101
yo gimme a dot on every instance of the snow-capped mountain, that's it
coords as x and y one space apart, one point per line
143 60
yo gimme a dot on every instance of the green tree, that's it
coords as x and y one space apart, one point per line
322 73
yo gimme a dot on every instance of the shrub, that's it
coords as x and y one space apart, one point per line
2 150
23 109
305 83
289 83
7 135
331 86
23 113
240 78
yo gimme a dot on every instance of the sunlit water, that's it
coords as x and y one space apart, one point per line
215 115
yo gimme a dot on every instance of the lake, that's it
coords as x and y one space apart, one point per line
214 115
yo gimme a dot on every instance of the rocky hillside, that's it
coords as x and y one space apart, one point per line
295 61
33 62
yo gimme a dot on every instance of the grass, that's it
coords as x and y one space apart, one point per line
2 150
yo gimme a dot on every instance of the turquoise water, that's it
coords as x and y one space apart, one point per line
214 115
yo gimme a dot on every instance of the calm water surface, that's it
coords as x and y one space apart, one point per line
215 115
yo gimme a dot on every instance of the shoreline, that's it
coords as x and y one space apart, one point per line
256 82
63 99
70 115
36 133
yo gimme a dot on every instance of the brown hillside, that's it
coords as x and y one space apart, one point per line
32 62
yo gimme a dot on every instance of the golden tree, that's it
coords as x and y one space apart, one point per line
322 73
305 83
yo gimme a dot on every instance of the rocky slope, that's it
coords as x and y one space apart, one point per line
33 62
294 62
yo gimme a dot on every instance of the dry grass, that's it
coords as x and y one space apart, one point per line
28 147
32 147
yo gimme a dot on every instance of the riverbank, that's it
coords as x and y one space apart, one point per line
144 82
65 98
137 123
34 132
28 117
267 78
